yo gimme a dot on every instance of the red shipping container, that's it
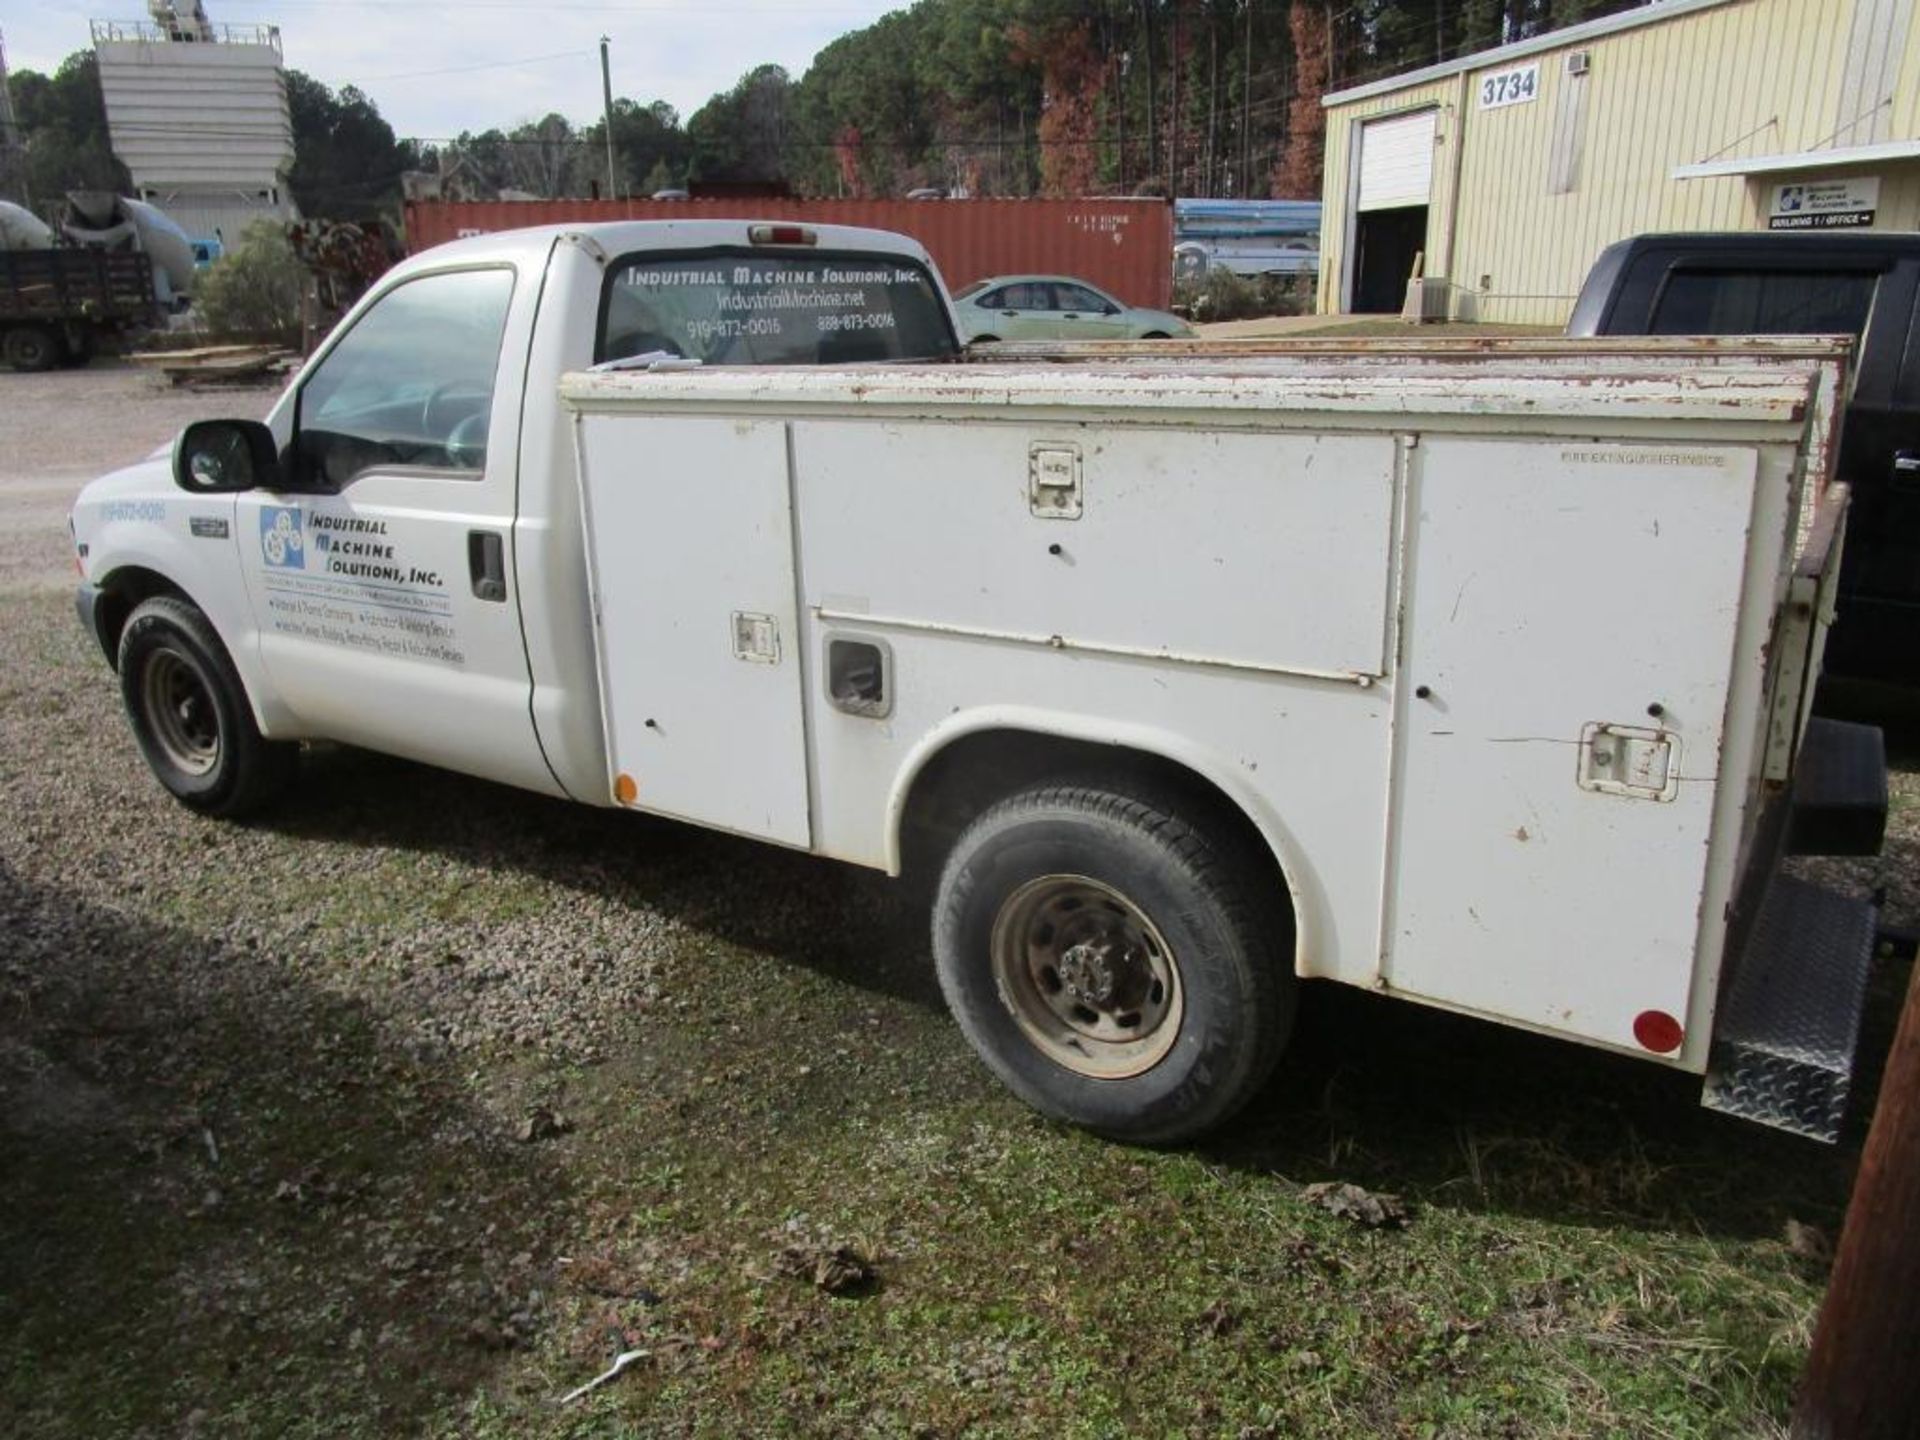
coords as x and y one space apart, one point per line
1123 246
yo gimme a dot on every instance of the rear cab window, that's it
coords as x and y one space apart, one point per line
740 306
1764 300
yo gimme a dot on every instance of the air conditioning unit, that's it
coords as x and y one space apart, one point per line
1426 300
1579 62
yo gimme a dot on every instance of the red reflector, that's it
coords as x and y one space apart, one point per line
780 235
1658 1031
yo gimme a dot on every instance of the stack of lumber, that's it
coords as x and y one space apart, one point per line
218 364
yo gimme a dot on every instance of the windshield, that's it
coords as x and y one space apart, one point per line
970 289
746 307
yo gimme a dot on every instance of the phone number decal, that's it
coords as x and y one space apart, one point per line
733 329
859 320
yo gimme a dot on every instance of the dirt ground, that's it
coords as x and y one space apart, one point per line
411 1107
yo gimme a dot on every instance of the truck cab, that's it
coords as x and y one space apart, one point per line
372 590
1862 285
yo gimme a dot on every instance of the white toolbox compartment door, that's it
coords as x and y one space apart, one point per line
690 543
1571 617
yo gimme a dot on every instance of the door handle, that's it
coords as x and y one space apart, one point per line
1010 314
487 564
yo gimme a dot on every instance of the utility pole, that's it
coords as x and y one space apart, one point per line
606 88
1861 1381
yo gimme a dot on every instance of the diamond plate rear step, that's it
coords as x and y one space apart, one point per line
1784 1040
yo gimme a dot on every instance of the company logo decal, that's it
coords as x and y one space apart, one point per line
282 541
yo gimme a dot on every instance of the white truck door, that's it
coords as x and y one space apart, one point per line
1571 620
690 545
383 590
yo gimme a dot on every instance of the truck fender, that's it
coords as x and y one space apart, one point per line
133 556
1309 907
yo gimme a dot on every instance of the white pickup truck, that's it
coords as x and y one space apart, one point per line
1477 674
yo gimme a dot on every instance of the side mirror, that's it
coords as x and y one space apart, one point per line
219 457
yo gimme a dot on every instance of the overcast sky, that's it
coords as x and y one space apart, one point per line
498 62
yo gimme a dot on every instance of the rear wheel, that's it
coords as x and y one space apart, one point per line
1118 965
33 348
190 716
1156 335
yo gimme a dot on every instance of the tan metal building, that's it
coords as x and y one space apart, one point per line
1500 176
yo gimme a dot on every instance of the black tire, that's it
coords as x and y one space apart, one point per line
190 715
984 340
33 348
1156 335
1187 901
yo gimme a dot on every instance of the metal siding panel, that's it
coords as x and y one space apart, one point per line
205 115
224 217
1569 135
1123 246
1903 117
1875 42
1335 214
1899 200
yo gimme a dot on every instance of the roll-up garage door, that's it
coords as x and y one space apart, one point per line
1396 161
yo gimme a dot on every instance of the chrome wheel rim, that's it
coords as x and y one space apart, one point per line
181 713
1089 979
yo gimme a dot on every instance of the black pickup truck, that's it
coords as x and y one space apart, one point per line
1864 285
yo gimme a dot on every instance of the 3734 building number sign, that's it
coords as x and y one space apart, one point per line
1510 87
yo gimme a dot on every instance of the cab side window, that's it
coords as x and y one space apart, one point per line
411 385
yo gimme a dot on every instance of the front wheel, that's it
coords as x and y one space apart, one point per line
1117 965
190 716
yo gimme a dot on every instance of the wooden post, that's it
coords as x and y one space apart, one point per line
1863 1377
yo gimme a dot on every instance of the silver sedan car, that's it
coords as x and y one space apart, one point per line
1055 307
